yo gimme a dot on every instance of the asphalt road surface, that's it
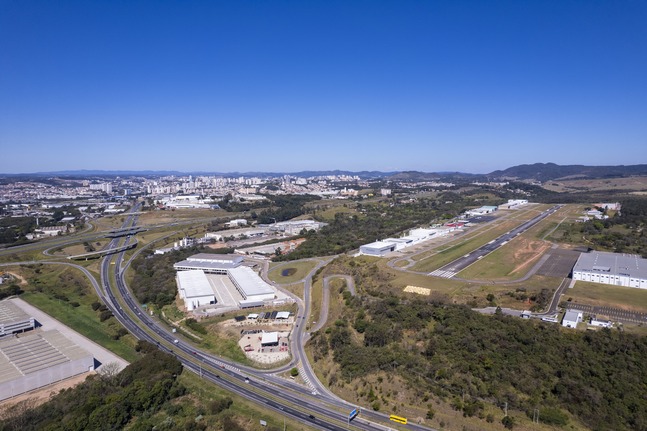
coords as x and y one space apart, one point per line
453 268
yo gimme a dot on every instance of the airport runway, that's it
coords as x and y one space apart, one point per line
453 268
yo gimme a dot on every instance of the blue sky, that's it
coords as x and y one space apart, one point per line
470 86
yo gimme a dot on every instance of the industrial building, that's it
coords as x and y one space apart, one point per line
13 319
194 288
513 203
251 287
481 211
388 245
249 232
294 227
377 248
617 269
35 360
210 263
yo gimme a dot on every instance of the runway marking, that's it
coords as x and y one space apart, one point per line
443 273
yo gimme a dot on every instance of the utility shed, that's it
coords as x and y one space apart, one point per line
572 318
13 319
39 359
194 288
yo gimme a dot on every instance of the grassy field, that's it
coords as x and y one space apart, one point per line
86 322
471 239
627 298
295 271
631 183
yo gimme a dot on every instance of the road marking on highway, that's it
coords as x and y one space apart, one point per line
305 378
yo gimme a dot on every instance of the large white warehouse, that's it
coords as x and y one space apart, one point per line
194 288
628 270
210 263
35 360
252 287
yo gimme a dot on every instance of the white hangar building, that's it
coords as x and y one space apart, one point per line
35 360
194 288
377 248
617 269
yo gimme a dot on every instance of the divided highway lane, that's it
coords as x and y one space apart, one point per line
326 412
453 268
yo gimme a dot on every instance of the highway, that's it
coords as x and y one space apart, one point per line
315 406
319 410
453 268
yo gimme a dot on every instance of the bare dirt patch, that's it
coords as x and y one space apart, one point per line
528 252
19 277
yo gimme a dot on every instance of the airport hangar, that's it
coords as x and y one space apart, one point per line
617 269
196 291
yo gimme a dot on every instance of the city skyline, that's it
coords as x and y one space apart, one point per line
287 87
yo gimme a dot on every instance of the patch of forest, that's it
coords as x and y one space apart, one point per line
375 221
622 233
457 356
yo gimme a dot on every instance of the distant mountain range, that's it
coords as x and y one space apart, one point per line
551 171
537 171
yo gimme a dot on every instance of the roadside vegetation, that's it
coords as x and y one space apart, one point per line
448 355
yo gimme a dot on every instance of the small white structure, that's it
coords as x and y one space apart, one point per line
270 339
283 315
194 288
236 222
572 318
512 203
600 323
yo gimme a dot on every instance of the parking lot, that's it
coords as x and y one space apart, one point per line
559 264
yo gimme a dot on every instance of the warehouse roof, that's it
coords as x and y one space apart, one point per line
250 282
379 245
11 313
34 352
194 283
601 262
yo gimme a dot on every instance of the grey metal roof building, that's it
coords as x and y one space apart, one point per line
35 360
250 285
13 319
210 263
617 269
